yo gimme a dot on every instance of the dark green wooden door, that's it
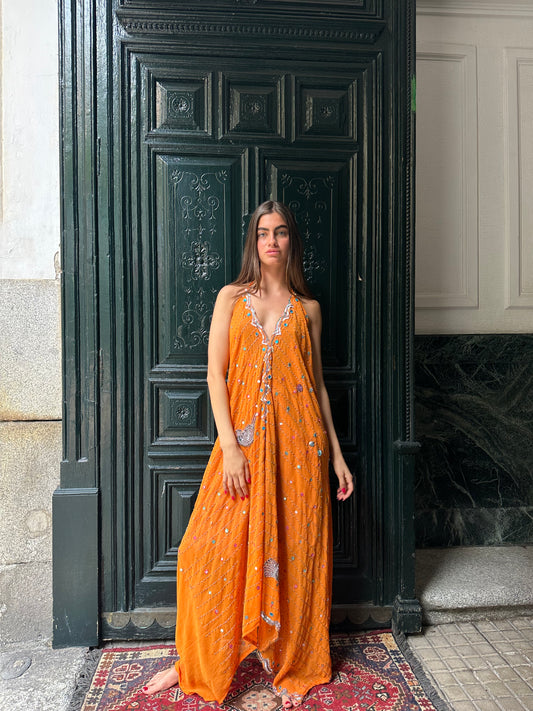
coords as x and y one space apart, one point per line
202 114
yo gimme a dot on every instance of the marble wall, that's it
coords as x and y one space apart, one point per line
474 420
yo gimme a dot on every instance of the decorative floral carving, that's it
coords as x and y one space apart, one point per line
200 261
253 107
199 199
311 200
327 110
313 264
183 412
307 188
193 330
180 105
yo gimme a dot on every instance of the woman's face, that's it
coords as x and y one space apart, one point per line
273 241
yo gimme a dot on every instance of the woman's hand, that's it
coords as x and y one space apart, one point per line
345 478
235 472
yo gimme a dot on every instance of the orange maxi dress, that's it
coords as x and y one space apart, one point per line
256 574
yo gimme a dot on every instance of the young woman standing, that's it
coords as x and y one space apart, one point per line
254 566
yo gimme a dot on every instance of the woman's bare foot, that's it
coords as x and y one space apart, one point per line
286 702
161 681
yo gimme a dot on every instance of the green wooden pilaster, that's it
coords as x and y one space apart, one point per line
75 502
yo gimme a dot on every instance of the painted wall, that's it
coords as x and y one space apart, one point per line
474 272
29 195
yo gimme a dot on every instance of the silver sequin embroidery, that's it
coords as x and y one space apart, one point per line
270 621
271 569
245 437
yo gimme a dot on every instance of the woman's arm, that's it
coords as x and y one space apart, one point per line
339 465
236 474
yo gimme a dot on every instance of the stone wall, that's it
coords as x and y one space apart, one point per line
30 453
30 343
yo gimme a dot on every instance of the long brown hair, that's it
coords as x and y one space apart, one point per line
251 266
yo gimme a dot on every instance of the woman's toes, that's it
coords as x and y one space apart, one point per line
161 682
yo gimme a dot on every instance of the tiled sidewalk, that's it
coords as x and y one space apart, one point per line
480 666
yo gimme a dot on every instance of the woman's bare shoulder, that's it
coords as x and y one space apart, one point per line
230 292
311 306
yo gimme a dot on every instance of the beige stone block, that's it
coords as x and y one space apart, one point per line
30 354
30 455
25 602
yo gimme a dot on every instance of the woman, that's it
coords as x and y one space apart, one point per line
254 566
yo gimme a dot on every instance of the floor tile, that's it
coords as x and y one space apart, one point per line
466 650
448 653
419 641
522 621
455 640
525 646
483 648
495 660
444 678
477 692
435 665
497 689
504 625
429 654
481 666
526 673
507 674
520 688
513 634
466 627
516 660
457 664
485 625
487 705
510 703
464 706
478 662
466 676
456 693
485 676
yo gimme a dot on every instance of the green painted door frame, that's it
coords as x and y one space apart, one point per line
176 120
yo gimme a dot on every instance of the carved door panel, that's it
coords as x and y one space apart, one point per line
202 112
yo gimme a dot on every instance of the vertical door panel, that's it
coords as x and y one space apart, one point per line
320 191
197 213
196 223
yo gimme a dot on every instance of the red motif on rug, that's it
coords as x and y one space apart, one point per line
370 673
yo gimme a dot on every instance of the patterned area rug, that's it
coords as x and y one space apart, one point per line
370 673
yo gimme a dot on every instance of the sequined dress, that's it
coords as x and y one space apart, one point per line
256 574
